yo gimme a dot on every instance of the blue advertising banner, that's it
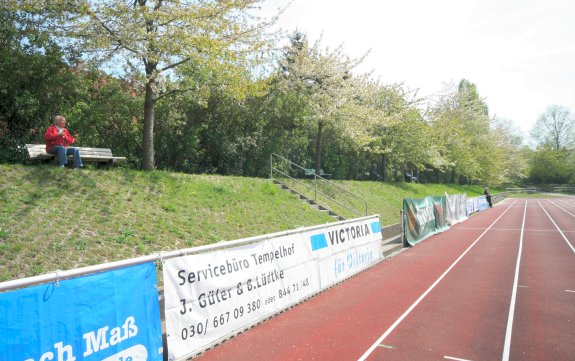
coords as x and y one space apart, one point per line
109 316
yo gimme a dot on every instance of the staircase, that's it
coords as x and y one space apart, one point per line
392 242
311 202
319 192
329 197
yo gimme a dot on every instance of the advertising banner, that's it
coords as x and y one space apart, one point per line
108 316
482 203
210 296
456 208
476 204
470 202
343 250
423 218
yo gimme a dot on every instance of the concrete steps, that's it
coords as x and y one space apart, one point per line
392 242
391 246
311 202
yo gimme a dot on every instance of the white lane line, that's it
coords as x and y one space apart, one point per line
556 226
563 209
478 228
509 330
455 358
408 311
385 346
513 229
570 291
567 203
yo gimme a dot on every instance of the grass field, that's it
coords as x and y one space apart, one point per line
55 218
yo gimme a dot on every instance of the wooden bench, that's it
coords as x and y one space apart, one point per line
101 156
311 173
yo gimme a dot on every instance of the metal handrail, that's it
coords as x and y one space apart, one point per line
320 192
316 176
322 178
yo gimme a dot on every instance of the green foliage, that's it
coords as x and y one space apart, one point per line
553 162
323 83
34 85
510 155
157 40
37 84
551 166
195 97
464 137
108 115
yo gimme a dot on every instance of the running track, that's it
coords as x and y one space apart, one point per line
499 286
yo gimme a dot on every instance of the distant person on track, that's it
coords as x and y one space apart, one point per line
58 139
488 197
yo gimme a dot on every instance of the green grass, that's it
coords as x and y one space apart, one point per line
62 219
385 199
53 218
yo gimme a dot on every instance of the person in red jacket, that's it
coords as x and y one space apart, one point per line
57 140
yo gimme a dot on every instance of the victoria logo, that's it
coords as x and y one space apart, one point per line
342 235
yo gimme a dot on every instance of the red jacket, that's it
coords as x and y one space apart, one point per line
52 137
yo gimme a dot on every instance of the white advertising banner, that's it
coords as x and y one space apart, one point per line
476 204
456 208
470 205
210 296
343 250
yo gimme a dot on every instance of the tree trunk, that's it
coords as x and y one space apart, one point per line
149 104
383 167
318 147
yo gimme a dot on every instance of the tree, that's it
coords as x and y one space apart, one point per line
555 128
400 134
510 156
323 79
552 166
35 84
158 39
462 131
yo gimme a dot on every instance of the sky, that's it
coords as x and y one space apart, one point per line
519 53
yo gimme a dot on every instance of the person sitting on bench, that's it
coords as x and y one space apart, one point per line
57 140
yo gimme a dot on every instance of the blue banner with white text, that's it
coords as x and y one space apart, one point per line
108 316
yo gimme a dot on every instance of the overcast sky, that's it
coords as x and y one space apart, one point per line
519 53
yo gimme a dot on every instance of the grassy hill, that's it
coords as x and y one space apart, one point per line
55 218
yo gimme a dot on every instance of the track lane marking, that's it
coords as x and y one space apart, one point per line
424 294
556 226
511 229
509 330
455 358
570 291
563 208
567 203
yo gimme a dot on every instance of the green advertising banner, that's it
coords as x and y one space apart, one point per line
424 217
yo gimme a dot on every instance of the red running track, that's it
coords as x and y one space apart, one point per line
499 286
